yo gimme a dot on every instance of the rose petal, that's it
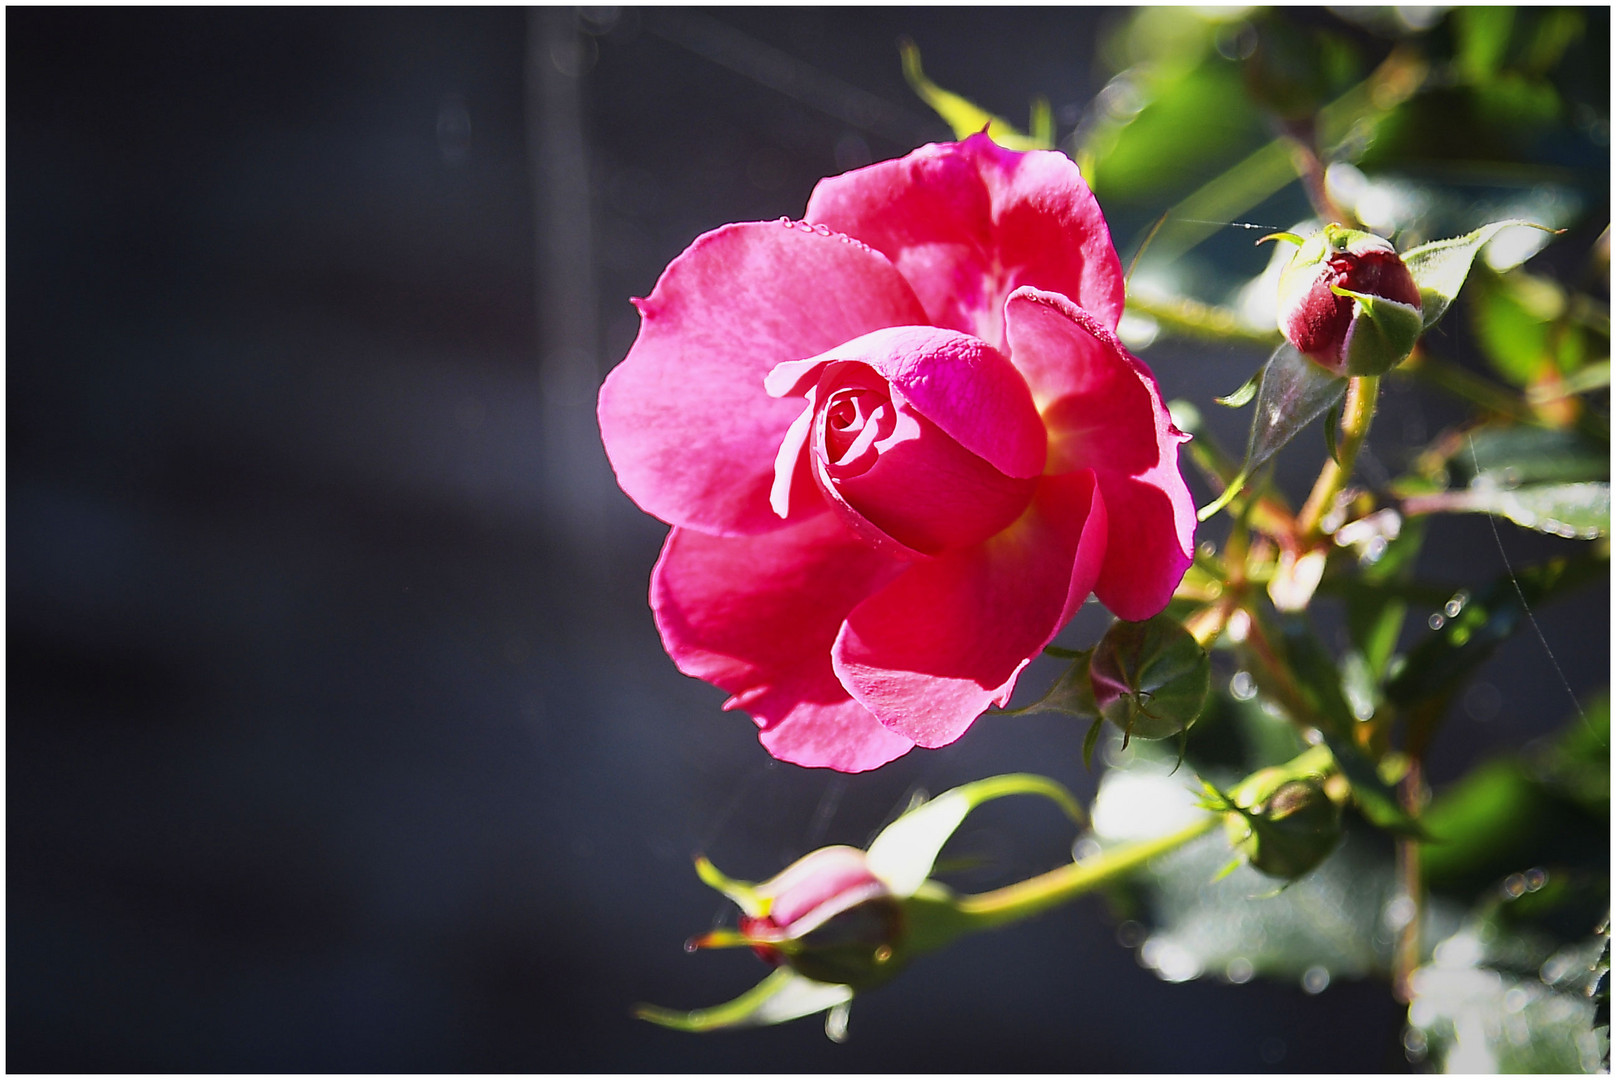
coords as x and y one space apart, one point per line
687 424
757 616
958 382
947 638
898 476
968 222
1105 412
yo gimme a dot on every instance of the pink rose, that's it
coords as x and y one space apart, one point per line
898 446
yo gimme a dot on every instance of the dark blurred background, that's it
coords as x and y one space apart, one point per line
339 736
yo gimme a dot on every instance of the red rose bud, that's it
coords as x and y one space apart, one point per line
826 916
1347 302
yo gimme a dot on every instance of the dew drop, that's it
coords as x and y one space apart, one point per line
1374 550
1242 687
822 230
1514 886
1436 621
1535 879
803 226
690 945
1239 970
836 1022
1456 604
787 222
1315 979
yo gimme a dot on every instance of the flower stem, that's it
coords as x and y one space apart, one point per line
1362 390
1026 898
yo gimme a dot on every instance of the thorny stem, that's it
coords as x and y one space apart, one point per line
1027 898
1362 390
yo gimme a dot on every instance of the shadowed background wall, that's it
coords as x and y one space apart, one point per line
339 736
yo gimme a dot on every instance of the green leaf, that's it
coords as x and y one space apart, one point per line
903 854
1293 392
1511 455
1375 615
1473 626
1440 267
1327 925
1575 511
783 996
1504 995
966 117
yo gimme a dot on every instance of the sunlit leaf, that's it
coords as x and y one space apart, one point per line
1510 455
903 854
1293 392
1440 267
968 118
783 996
1505 995
1570 510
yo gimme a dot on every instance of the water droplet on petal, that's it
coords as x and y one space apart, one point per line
822 230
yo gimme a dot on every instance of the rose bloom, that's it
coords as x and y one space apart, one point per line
899 444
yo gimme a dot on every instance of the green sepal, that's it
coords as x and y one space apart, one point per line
743 893
1242 396
1071 693
1383 333
1293 392
1090 740
783 995
1440 267
903 854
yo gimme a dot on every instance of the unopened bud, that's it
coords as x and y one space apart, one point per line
1347 302
1150 678
1283 825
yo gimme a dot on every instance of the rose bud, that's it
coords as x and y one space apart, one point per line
827 916
1150 678
1347 302
1283 825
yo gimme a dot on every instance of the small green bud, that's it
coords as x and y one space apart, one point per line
1284 825
1150 678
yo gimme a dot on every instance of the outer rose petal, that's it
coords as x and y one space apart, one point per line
968 222
757 616
932 650
1104 412
688 427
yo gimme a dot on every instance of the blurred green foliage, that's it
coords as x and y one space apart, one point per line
1416 124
